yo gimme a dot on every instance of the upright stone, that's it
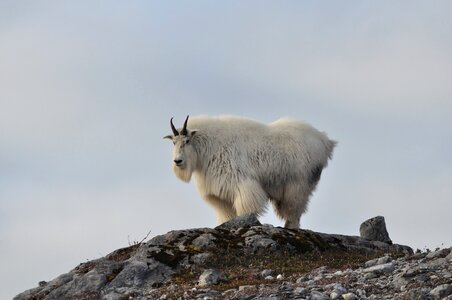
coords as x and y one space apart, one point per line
374 229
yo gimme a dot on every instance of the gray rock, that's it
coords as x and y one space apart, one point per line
42 283
371 275
90 283
418 293
399 281
210 277
374 229
438 254
441 291
349 296
201 259
305 278
318 277
300 291
423 278
409 271
449 256
316 295
335 295
361 293
142 274
339 288
285 288
257 243
267 272
240 221
204 241
228 293
378 261
379 269
371 263
208 294
434 264
447 274
247 288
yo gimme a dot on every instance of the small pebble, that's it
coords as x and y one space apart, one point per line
349 296
267 272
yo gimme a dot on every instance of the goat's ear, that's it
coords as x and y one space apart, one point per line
193 132
170 137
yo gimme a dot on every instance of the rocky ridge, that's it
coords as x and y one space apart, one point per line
243 259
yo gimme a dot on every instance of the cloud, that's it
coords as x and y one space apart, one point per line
86 93
406 78
359 61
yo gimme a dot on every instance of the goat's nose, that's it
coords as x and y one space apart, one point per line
178 161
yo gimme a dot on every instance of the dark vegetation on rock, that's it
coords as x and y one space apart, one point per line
243 259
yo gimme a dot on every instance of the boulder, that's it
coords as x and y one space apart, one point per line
240 221
374 229
211 277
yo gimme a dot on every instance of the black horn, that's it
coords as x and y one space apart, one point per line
184 129
173 128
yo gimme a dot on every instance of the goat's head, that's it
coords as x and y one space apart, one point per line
184 155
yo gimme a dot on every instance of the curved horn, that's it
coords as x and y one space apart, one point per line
184 129
173 128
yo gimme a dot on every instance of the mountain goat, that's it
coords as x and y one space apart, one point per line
240 164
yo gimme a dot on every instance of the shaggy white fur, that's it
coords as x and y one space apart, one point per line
240 164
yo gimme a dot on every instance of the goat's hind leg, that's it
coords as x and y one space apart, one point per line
292 205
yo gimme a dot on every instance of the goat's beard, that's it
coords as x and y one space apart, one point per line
184 173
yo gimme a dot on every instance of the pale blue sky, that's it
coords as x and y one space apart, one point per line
87 90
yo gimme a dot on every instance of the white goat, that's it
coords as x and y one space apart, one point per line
240 164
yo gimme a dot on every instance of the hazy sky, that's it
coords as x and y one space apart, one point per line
87 89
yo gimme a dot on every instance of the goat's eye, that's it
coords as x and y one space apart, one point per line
188 141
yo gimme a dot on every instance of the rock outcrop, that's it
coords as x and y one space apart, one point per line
375 230
243 259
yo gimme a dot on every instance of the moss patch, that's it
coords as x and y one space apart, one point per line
245 269
84 268
114 273
123 253
248 271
